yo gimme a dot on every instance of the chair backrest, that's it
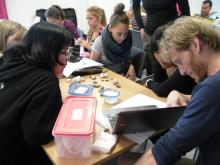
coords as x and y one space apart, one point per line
138 60
136 39
69 14
40 13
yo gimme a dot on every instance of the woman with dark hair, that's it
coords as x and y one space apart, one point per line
30 94
164 82
113 47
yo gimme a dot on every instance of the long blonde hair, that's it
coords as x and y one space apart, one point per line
9 28
99 13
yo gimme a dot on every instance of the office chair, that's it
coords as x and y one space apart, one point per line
138 60
40 13
69 14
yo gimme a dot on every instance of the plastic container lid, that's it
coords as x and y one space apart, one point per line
77 117
80 90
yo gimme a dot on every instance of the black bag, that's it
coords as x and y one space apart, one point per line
74 53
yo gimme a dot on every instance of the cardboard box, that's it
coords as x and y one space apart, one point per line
74 128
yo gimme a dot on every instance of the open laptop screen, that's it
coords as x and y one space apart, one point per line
146 120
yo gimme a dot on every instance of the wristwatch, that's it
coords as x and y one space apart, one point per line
147 82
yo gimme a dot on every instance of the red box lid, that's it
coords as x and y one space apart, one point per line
76 117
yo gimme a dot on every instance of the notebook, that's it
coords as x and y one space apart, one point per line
141 118
82 64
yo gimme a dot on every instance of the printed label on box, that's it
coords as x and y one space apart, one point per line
77 114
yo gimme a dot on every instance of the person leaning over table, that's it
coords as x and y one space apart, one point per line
159 12
11 32
164 83
30 94
113 47
195 49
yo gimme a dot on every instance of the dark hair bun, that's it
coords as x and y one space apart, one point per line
119 8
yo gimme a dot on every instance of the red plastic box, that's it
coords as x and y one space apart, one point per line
74 127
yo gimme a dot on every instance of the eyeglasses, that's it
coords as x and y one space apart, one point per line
66 54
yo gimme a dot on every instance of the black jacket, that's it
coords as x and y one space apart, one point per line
176 81
30 101
159 12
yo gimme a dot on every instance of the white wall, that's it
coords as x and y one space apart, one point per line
23 11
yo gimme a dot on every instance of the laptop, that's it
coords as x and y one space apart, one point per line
142 81
141 119
136 39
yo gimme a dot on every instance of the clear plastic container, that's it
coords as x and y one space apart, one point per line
74 127
110 95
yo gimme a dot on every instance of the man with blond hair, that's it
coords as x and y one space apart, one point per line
195 49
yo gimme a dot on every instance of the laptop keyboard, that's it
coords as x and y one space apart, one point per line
112 119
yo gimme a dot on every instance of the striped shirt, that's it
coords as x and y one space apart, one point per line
97 47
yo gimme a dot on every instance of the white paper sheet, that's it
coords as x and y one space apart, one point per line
140 100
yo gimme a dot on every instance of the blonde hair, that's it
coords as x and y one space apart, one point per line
183 31
9 28
99 14
103 20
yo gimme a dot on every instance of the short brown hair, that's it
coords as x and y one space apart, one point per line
55 12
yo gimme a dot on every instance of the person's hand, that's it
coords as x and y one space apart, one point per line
142 33
131 73
84 43
176 98
147 159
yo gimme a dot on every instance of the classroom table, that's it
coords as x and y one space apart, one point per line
127 89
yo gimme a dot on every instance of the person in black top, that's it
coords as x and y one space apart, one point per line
158 13
163 84
30 94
